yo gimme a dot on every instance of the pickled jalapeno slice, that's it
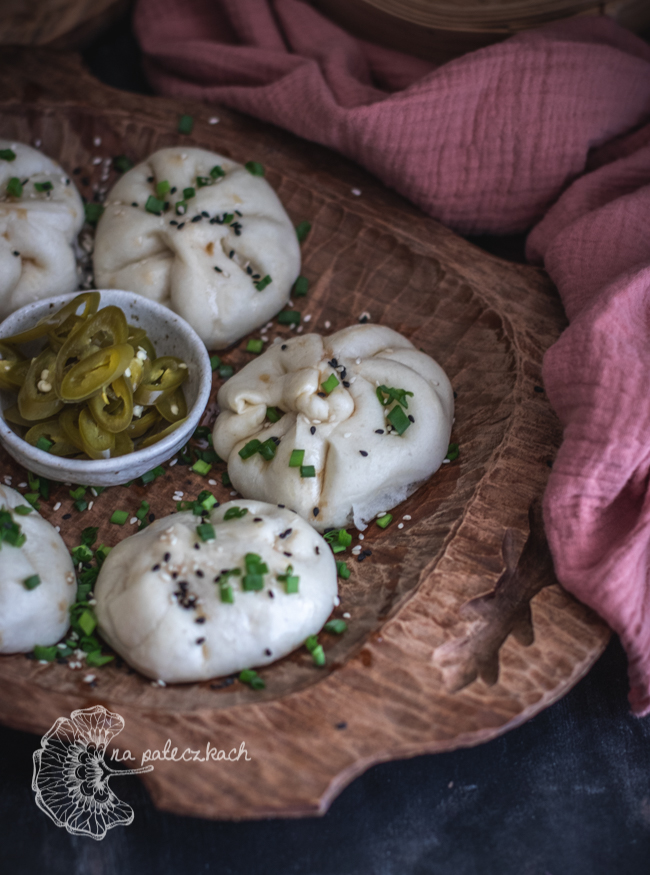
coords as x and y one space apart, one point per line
90 302
95 372
167 374
52 431
140 425
173 406
97 442
37 398
105 329
112 408
159 435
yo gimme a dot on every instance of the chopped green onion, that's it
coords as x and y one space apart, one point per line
185 124
162 188
291 581
119 517
102 552
318 655
82 553
44 444
180 208
225 479
206 532
189 192
217 171
250 449
311 643
453 452
260 285
32 498
398 419
296 459
89 535
226 371
23 509
227 218
142 511
330 384
336 627
44 487
43 186
342 569
11 531
32 582
255 345
391 394
96 658
268 449
45 654
207 500
87 621
254 564
226 593
385 520
202 181
78 493
154 205
235 513
14 187
300 287
253 582
201 467
7 155
215 361
250 676
93 213
289 317
302 230
121 163
254 168
307 471
273 414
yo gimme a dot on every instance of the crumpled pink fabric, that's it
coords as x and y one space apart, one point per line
550 128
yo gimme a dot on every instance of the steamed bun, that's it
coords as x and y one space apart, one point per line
203 267
159 595
37 228
361 464
40 615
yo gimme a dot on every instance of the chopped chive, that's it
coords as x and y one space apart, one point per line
296 459
226 593
96 658
121 163
23 509
268 449
180 208
336 627
226 371
398 419
162 188
87 621
302 230
32 582
207 500
253 582
235 513
342 569
330 384
254 564
291 581
392 394
44 444
385 520
318 655
185 124
227 218
93 213
154 205
255 346
119 517
43 186
225 479
215 361
45 654
307 471
201 467
89 535
78 493
254 168
205 532
260 285
142 511
250 676
311 643
82 553
102 552
202 181
217 171
300 287
289 317
32 498
273 414
14 187
250 449
158 471
7 155
453 452
189 193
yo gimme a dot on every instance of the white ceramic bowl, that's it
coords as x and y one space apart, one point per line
171 335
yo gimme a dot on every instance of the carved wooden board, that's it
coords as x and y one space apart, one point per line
437 655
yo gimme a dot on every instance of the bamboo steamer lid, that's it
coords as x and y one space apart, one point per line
439 30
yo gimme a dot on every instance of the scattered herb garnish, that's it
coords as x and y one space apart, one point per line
14 187
387 394
296 459
255 345
289 317
250 676
201 467
453 452
44 444
185 124
302 229
250 449
260 285
121 163
217 171
32 582
150 476
226 371
162 188
316 650
307 471
154 205
235 513
398 419
93 212
215 361
300 287
43 186
254 168
10 532
205 531
330 384
7 155
291 581
385 520
273 414
338 540
119 517
342 569
336 627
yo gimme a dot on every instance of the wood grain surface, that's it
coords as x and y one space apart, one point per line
458 630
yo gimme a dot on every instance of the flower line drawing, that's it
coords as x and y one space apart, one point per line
71 777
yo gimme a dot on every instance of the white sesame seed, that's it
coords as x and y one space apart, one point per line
381 514
356 192
133 520
306 317
328 324
179 493
173 462
357 361
446 461
37 144
24 486
299 329
346 615
57 528
337 601
97 141
213 121
356 550
90 505
400 525
347 434
89 678
97 160
234 492
407 516
361 537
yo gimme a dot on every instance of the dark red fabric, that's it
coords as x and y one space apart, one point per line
548 127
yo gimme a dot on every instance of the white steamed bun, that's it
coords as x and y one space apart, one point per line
37 228
159 602
361 466
41 615
206 270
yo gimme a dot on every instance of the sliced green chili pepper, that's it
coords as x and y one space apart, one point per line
94 373
173 406
51 430
167 374
8 358
112 408
159 435
141 425
37 398
106 328
90 301
97 442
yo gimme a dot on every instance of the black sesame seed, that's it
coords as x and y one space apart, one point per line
284 346
257 519
77 171
317 549
412 418
156 567
174 575
149 178
67 516
363 452
315 511
197 218
182 225
313 429
167 557
134 204
173 222
197 546
267 652
199 573
271 594
85 180
549 463
342 725
238 213
232 252
152 517
343 373
346 384
367 552
539 389
173 190
218 269
249 270
205 214
455 394
15 252
288 554
379 431
363 320
200 620
333 363
282 505
286 533
200 640
321 394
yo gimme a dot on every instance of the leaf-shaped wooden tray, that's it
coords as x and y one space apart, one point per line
457 631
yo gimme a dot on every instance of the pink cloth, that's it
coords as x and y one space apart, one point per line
548 128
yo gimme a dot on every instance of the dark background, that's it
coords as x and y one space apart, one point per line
566 794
